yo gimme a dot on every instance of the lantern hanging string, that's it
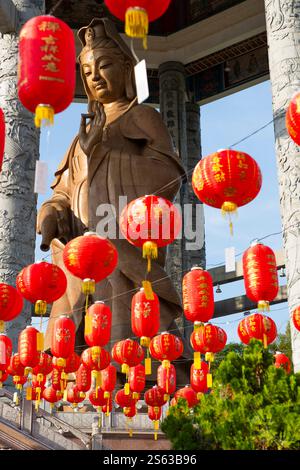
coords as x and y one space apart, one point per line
51 12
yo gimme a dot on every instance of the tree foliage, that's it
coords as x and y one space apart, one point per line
252 405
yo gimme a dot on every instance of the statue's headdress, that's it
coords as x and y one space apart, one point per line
101 33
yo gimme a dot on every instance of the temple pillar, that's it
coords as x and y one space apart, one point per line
283 30
17 199
172 95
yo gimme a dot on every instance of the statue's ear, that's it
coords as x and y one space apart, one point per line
130 82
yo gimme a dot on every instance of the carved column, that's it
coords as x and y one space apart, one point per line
195 240
172 106
17 199
283 30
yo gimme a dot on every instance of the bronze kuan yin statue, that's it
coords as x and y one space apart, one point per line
124 150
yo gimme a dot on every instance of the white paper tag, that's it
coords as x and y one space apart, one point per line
41 177
229 259
141 81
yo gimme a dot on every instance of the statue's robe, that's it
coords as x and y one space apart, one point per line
135 158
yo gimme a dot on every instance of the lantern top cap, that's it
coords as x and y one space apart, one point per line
64 315
99 302
255 242
196 267
88 234
278 352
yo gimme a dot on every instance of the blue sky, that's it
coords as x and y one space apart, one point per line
223 122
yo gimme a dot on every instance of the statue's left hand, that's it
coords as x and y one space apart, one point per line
88 138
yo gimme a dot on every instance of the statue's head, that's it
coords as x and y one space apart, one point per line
106 62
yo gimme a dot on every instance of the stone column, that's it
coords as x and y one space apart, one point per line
17 199
283 29
172 107
195 246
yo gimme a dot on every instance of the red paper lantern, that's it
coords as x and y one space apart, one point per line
97 324
95 358
150 222
91 258
63 337
137 14
166 348
296 318
19 381
227 179
155 396
108 380
27 347
5 352
41 283
107 408
128 353
47 67
15 366
97 398
166 379
145 316
188 394
123 399
58 380
154 413
129 411
282 361
198 378
51 395
208 338
45 364
11 304
2 137
74 396
38 381
83 378
198 295
260 274
72 363
137 379
293 118
257 326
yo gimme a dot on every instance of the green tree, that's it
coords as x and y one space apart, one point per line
252 406
283 343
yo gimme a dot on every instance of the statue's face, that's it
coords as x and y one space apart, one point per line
104 74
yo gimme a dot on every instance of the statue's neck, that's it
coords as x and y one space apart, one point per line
116 109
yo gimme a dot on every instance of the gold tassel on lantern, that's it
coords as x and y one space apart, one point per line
88 324
44 115
265 341
40 341
209 357
263 306
2 326
147 286
156 428
88 287
126 389
150 251
197 360
137 24
227 209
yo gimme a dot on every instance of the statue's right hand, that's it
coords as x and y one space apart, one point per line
47 226
89 138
